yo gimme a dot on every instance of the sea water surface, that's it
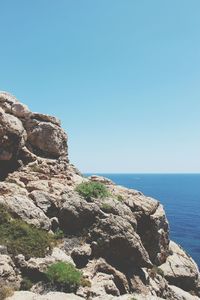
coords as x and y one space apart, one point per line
180 195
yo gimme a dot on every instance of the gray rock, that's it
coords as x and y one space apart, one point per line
117 241
81 255
23 207
23 295
46 139
180 269
76 213
8 273
12 136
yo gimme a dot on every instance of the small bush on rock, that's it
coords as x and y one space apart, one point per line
64 276
91 189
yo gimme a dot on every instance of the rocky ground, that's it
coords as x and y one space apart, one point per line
119 241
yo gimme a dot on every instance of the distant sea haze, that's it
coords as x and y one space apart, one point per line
180 195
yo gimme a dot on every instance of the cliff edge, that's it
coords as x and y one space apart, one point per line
113 240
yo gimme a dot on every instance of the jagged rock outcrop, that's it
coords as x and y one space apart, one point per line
120 242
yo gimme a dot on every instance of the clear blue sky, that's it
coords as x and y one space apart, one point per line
123 76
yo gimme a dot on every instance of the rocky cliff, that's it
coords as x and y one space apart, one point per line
115 238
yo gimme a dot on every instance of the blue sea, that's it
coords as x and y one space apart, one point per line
180 195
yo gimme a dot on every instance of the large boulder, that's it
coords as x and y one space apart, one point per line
46 139
22 207
180 269
115 239
76 213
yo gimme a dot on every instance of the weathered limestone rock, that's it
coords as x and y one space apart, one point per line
12 136
112 205
22 295
180 269
8 273
25 136
76 213
81 255
147 213
46 139
117 241
39 265
154 232
22 206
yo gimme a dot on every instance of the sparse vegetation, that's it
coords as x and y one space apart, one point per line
91 189
119 198
59 234
85 282
156 270
4 215
22 238
26 284
106 207
64 275
5 291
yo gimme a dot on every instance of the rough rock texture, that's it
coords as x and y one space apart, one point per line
120 242
9 274
50 296
117 241
180 269
24 134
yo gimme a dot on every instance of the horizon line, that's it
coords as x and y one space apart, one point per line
150 173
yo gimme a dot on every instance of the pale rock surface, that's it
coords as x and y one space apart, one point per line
22 295
8 272
180 269
41 263
22 206
116 240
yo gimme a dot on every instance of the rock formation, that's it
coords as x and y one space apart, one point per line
120 242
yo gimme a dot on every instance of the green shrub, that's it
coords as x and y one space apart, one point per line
64 275
22 238
156 270
91 189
